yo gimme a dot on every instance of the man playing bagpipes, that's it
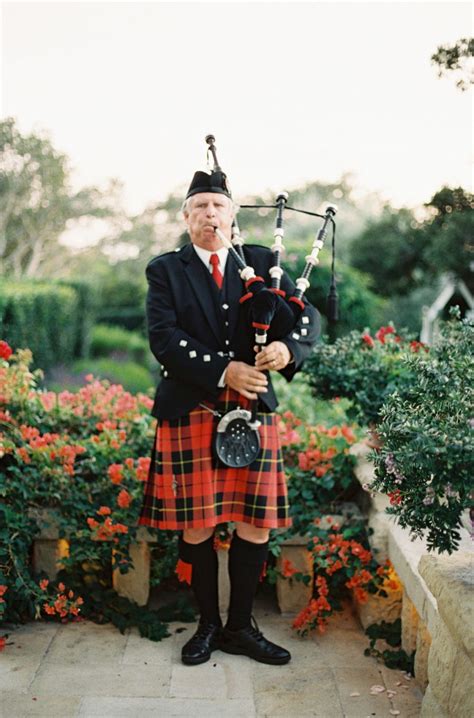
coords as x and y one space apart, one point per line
211 373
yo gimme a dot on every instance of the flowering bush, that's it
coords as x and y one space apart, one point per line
426 461
318 466
364 368
83 457
342 564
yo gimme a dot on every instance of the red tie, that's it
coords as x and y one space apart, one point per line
214 260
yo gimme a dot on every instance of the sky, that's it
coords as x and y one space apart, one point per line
294 92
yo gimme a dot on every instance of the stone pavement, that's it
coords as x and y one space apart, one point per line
86 670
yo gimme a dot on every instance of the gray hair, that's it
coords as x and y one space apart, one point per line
185 206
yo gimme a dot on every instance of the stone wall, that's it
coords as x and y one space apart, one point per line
436 607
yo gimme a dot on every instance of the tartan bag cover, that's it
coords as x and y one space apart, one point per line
187 488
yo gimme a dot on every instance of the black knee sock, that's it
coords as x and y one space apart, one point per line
198 566
246 561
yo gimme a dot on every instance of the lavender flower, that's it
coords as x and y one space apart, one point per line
429 496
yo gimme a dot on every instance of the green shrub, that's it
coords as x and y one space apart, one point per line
296 398
43 317
53 319
131 376
87 296
107 340
361 368
78 461
426 461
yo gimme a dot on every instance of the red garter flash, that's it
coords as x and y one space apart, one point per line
184 571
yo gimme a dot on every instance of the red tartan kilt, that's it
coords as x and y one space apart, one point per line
187 488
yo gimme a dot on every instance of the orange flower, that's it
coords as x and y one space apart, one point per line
361 595
92 523
24 456
130 463
61 587
3 588
348 434
43 584
115 473
50 610
333 432
287 569
124 499
121 528
104 511
143 468
322 470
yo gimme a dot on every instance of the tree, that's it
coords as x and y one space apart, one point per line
36 202
456 59
450 233
401 254
390 250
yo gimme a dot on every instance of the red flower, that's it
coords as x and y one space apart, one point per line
368 340
124 499
3 642
5 350
382 333
43 584
395 497
104 511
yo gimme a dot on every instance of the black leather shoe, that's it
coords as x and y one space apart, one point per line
251 642
200 646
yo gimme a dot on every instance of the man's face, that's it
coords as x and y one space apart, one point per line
205 211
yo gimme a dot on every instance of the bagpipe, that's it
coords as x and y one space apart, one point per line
271 313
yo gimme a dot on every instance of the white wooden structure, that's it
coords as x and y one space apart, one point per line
430 324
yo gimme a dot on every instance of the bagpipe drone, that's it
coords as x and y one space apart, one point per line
271 313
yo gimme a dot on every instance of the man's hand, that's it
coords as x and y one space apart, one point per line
273 357
245 379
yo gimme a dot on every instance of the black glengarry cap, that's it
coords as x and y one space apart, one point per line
209 182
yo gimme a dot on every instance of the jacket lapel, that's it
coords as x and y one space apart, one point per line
195 272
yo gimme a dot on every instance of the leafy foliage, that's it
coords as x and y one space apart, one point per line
343 566
75 464
397 264
455 59
391 633
52 319
111 340
426 461
319 469
363 368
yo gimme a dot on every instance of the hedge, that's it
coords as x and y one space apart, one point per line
53 319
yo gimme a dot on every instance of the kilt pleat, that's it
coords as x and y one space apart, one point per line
188 487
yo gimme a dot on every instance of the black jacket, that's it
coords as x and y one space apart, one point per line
193 326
